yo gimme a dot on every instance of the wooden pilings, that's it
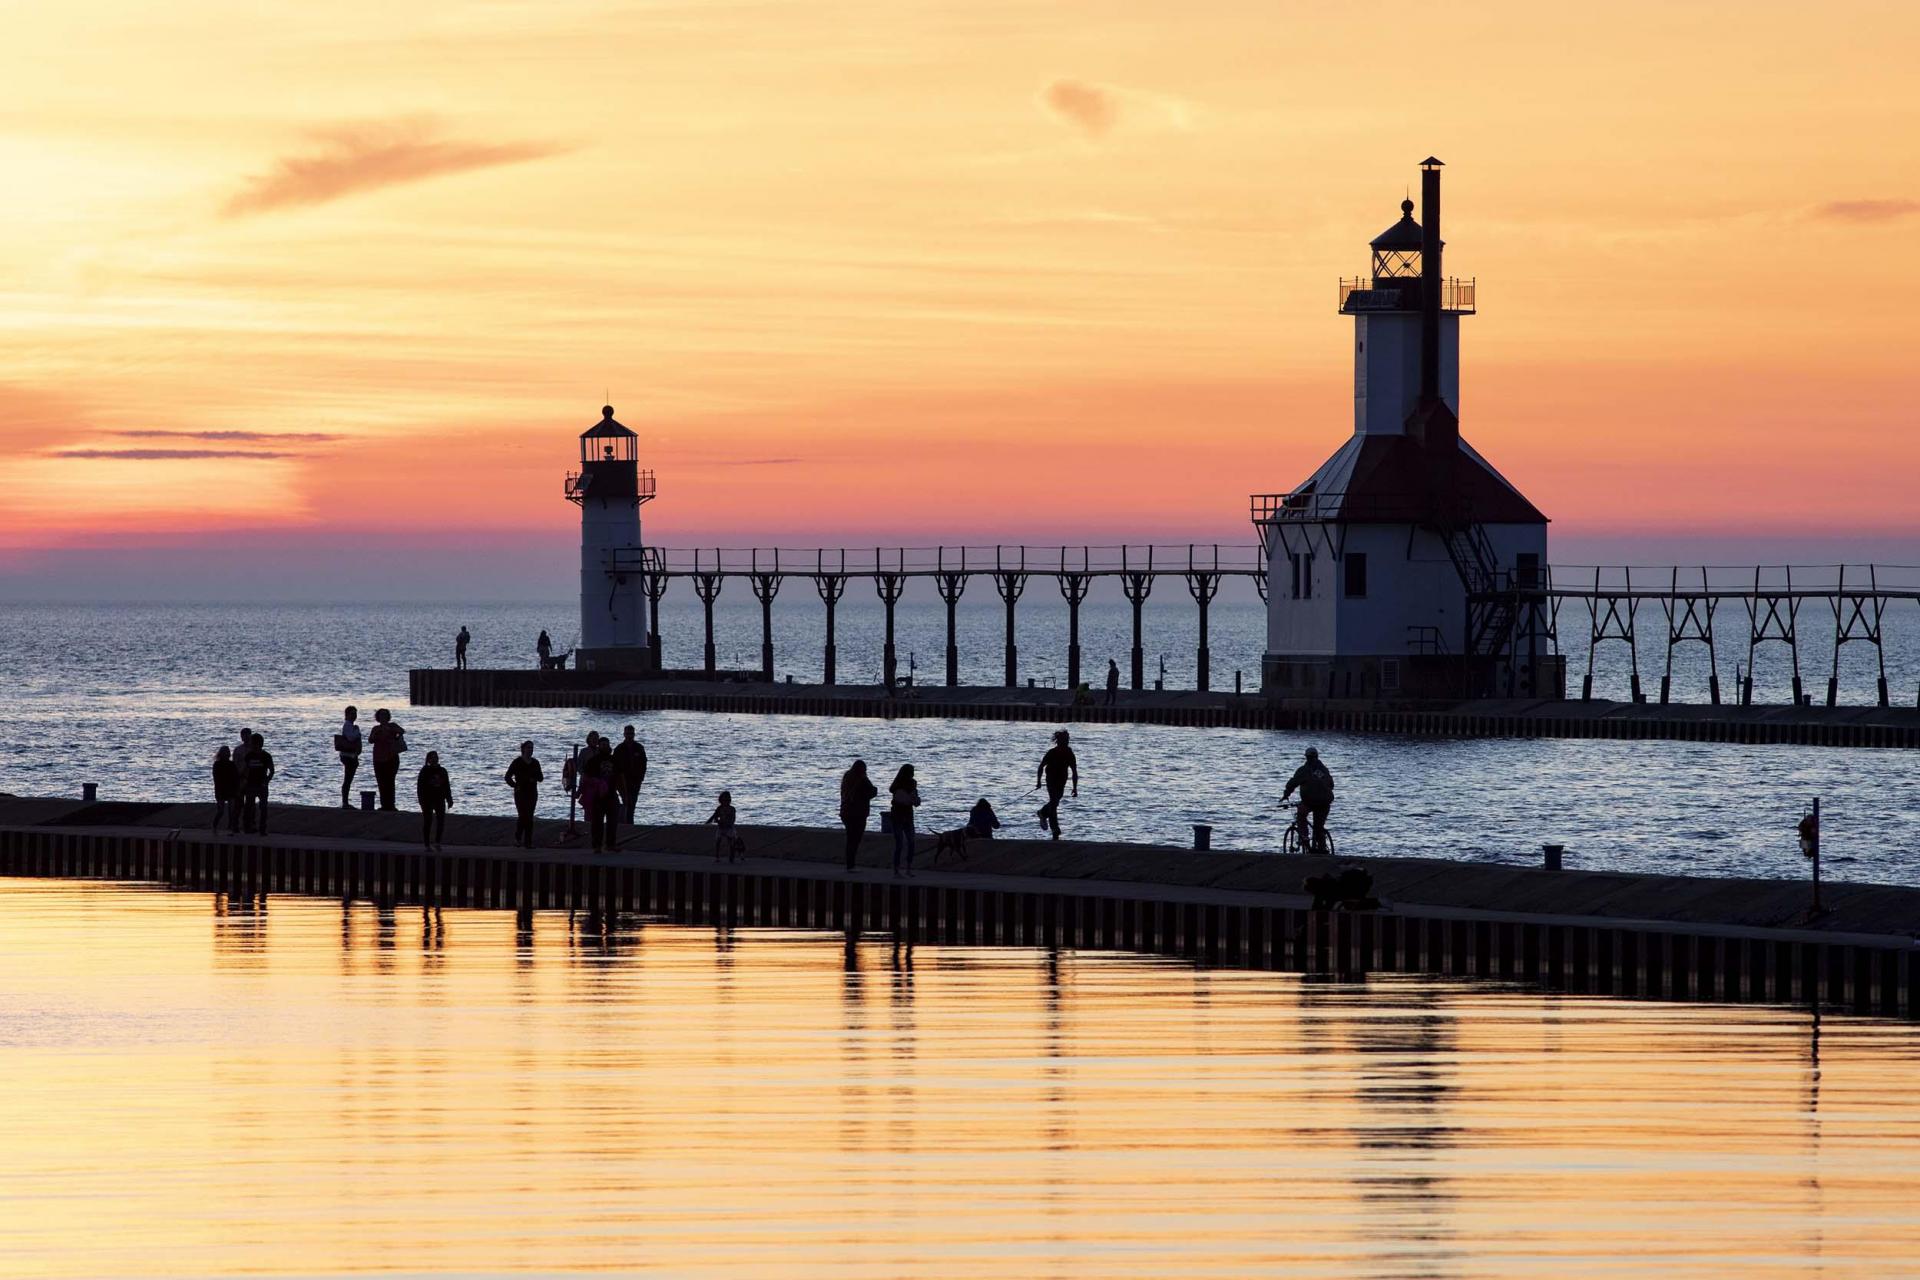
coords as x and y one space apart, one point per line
1599 957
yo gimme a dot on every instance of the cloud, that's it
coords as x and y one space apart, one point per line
275 437
169 455
1890 210
348 159
1090 108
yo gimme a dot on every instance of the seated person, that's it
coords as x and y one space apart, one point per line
983 821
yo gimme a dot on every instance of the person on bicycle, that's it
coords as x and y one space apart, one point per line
1315 784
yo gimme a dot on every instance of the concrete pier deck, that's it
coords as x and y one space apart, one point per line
1479 718
1674 937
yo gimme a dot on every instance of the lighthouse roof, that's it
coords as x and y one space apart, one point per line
1388 479
1403 236
606 427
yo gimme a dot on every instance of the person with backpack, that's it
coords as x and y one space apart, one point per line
388 740
254 783
435 792
348 742
1314 782
524 776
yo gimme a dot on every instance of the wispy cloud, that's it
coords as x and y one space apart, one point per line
1888 210
1092 109
169 455
274 437
347 159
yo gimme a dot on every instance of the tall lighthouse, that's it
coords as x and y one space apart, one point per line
1406 565
609 488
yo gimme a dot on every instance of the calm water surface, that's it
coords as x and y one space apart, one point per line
137 698
195 1087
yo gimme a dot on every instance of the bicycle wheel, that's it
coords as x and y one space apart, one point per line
1290 840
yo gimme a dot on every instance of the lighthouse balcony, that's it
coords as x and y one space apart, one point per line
603 484
1363 294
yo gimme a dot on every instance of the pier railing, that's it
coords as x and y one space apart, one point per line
922 562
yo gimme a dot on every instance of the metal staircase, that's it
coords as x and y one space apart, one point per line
1492 602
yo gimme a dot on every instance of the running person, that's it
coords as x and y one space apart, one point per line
1055 768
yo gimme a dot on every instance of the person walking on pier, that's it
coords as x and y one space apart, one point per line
254 784
1055 768
727 838
226 786
629 772
460 643
435 792
544 647
241 751
524 776
905 794
1113 682
347 742
597 796
1314 782
856 806
388 740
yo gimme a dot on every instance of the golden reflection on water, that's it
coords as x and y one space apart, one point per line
199 1087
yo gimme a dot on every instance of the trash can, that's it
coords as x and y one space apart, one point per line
366 801
89 792
1202 836
886 822
1553 852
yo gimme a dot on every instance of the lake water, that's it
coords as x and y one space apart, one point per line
136 699
196 1087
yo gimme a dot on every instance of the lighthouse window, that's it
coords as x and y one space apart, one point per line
1302 565
1356 575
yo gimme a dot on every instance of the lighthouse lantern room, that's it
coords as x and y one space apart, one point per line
1406 565
610 489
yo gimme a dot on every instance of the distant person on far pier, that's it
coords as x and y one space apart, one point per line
856 806
1055 768
905 794
1314 782
226 786
524 776
629 772
435 792
348 742
983 821
460 643
544 647
240 752
254 784
388 740
1113 682
727 838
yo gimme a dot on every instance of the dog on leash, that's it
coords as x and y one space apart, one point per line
950 842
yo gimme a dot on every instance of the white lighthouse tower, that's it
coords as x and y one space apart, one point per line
1406 566
609 489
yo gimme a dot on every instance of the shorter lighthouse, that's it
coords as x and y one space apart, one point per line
610 488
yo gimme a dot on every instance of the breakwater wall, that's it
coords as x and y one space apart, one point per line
1515 718
1504 923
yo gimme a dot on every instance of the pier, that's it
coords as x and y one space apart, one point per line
1585 932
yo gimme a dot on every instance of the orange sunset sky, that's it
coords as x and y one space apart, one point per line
295 277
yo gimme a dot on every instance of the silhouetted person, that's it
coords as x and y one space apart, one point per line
235 815
460 643
253 785
524 776
388 740
597 797
629 772
856 806
905 794
226 786
1113 682
983 821
435 792
727 839
1315 783
348 743
544 647
1055 767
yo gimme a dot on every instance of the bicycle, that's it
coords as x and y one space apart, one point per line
1291 842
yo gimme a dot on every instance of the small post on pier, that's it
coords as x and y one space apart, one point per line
889 586
1010 583
951 585
1137 586
1073 588
707 587
831 587
1202 585
765 587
